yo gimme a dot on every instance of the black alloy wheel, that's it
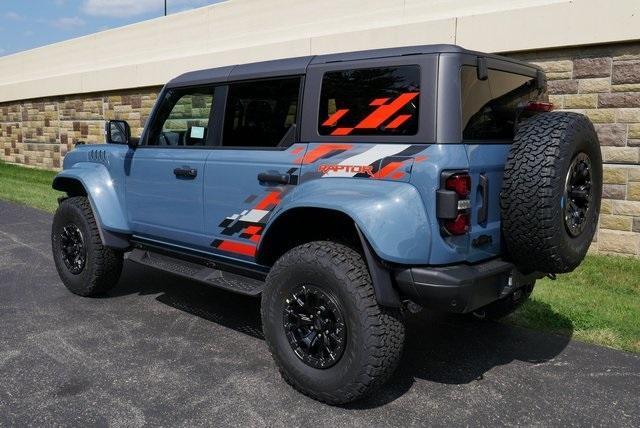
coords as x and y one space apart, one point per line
74 253
314 326
578 194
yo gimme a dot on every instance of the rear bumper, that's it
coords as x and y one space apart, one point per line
461 288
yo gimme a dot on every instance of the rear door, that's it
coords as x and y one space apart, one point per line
491 109
165 174
255 165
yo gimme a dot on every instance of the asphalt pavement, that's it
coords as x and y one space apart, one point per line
159 350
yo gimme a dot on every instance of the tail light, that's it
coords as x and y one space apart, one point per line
458 226
459 183
453 204
539 106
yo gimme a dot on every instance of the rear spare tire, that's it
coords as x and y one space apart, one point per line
551 192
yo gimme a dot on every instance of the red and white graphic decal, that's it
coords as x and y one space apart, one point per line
382 161
323 151
368 157
376 118
352 169
235 247
249 224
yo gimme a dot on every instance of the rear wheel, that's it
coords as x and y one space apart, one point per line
327 334
86 267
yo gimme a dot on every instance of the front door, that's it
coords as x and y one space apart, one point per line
165 177
257 163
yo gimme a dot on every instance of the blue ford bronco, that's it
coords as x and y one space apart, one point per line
343 189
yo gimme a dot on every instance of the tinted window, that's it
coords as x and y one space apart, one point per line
370 101
183 118
261 113
491 108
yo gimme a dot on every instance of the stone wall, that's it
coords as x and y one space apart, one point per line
39 132
602 82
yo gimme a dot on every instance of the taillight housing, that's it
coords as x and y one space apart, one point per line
539 106
459 183
458 226
452 203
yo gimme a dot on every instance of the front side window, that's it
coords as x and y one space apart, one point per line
370 101
491 108
183 118
261 113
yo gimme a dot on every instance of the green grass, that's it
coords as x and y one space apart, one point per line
28 186
598 303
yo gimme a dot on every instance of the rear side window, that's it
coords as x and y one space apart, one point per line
370 101
491 108
261 113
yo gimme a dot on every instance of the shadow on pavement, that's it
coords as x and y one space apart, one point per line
240 313
456 350
440 348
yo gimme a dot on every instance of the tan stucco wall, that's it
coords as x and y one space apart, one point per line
238 31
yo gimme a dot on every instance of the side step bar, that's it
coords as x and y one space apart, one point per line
197 272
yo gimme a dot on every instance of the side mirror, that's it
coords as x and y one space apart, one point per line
118 132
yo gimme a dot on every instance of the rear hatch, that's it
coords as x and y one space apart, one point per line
462 179
491 110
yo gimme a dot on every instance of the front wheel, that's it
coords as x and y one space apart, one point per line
86 267
328 336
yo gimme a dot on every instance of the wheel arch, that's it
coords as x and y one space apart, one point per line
292 228
70 185
94 182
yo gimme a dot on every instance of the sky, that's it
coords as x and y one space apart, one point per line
26 24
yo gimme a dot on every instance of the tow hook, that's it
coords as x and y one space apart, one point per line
551 276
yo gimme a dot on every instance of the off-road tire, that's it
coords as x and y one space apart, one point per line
103 265
374 334
505 306
533 192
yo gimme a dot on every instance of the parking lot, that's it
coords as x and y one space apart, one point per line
159 350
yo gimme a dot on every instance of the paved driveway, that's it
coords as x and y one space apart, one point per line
160 350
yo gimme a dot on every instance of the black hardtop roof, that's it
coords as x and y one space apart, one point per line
298 65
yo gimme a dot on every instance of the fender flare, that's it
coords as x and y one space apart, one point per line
102 193
386 294
391 215
389 218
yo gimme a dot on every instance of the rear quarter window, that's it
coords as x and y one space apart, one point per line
370 101
491 108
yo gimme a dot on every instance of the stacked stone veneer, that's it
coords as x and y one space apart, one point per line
602 82
40 132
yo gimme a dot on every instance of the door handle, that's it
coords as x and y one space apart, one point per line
185 172
484 189
274 177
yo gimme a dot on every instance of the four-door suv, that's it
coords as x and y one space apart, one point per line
343 189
